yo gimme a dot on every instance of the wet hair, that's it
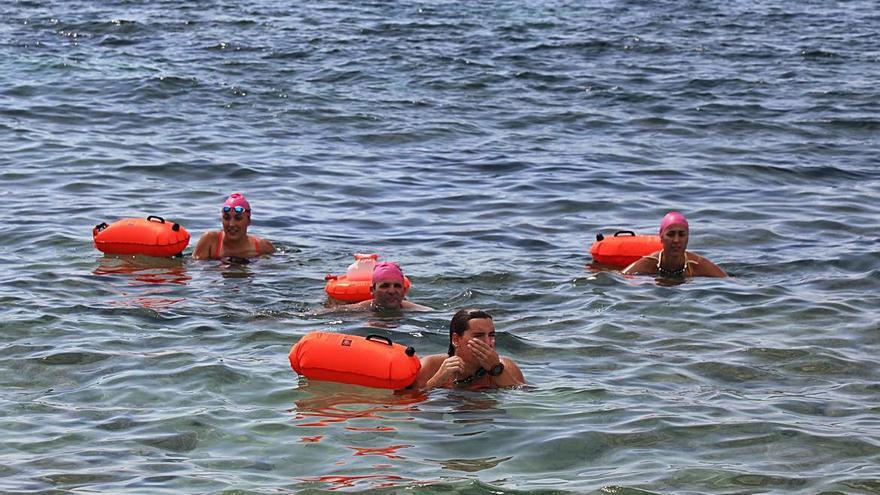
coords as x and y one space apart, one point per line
459 323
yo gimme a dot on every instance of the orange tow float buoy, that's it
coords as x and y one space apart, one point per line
623 248
152 236
354 286
372 361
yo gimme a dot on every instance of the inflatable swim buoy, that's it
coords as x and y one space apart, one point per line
623 248
372 361
341 288
354 286
152 236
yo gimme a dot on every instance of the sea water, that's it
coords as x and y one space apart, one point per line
482 146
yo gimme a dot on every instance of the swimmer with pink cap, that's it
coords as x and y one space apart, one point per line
389 291
236 202
387 271
672 218
674 261
233 241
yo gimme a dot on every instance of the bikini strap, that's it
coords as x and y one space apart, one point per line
675 273
256 244
687 264
219 243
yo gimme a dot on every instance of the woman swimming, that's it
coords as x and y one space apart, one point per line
471 362
674 261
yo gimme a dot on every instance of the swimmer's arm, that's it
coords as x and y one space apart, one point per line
359 306
511 376
341 308
433 373
317 311
266 247
488 358
709 269
414 307
203 248
645 265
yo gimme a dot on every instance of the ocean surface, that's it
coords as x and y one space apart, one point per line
482 145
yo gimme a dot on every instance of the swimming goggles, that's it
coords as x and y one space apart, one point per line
237 209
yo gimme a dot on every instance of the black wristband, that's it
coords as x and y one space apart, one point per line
496 370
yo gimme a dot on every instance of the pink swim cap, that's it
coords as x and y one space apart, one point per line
387 271
673 218
237 199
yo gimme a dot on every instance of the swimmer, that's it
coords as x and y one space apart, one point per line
388 291
233 241
674 260
471 362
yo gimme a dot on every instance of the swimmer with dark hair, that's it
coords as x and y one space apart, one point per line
674 261
471 362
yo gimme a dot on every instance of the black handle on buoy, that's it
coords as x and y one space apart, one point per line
161 220
380 337
410 351
600 237
101 226
629 232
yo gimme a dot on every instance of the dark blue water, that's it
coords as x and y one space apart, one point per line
482 146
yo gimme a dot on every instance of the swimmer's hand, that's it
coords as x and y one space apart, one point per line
485 354
452 367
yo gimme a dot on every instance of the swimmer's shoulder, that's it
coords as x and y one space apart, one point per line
266 246
411 306
513 376
430 364
205 245
645 264
703 267
433 361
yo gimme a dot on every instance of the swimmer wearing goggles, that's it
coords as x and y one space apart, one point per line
237 209
233 241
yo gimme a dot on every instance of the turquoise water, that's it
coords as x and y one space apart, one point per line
482 146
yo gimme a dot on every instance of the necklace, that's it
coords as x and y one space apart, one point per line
480 373
663 272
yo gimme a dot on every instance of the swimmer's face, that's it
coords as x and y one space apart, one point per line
675 239
478 329
235 224
388 293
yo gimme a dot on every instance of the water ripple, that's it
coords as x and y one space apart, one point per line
483 147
